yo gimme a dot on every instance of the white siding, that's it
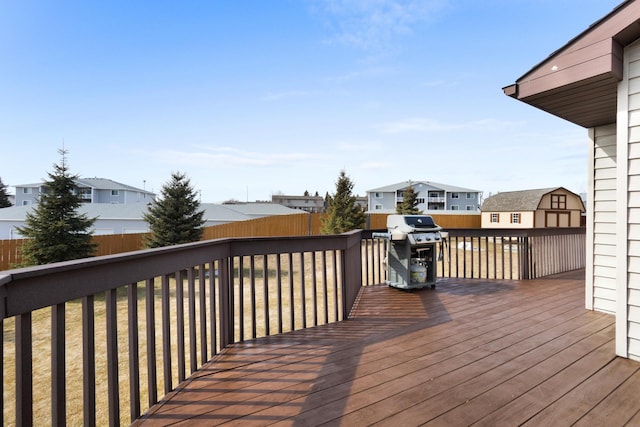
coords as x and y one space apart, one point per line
601 284
628 208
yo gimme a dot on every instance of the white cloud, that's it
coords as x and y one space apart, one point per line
370 24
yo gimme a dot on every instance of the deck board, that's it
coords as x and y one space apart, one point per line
490 352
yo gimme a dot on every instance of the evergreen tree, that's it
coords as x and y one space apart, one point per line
342 213
409 204
175 217
54 229
4 197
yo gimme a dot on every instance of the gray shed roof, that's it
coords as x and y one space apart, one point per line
123 211
430 185
254 209
525 200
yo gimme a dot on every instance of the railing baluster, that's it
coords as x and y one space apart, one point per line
152 380
240 297
486 251
365 247
226 302
24 371
191 298
265 286
303 293
213 279
336 306
325 293
112 357
291 300
88 362
204 353
134 352
252 289
314 287
279 291
166 335
58 366
180 326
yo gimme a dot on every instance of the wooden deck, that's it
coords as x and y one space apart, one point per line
487 353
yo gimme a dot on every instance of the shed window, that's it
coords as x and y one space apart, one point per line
558 201
515 218
495 217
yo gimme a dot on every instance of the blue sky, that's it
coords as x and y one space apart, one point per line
254 98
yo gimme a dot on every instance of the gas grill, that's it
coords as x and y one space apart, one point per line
412 251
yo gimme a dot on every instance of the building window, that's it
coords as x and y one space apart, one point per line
115 192
455 195
455 208
26 202
26 190
420 200
495 217
558 201
515 218
471 208
471 196
378 195
378 207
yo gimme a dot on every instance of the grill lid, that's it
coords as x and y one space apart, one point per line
411 223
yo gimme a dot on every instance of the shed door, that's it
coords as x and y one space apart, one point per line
558 219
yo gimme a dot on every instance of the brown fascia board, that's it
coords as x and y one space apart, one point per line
600 60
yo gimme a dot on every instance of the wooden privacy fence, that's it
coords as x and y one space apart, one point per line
272 226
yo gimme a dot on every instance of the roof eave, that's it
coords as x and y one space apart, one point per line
579 81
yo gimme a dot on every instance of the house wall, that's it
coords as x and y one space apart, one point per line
29 198
628 192
504 220
601 221
462 201
385 201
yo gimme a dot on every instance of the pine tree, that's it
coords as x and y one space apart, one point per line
409 204
343 213
4 197
175 217
54 229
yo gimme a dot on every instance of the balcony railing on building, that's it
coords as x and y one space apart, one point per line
100 340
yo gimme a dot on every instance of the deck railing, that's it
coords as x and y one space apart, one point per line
491 253
96 336
100 340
